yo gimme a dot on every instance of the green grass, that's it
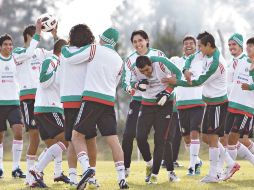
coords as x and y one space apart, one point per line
106 176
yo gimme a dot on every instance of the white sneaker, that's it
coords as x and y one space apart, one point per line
229 172
172 177
209 179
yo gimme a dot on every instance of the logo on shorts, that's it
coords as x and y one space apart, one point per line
167 117
183 130
130 112
139 113
7 68
33 122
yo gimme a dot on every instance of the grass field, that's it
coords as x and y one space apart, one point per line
106 175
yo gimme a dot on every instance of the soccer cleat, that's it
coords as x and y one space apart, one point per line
153 179
177 165
148 173
84 179
62 178
229 172
38 178
92 184
210 179
172 177
18 173
123 184
191 172
127 172
1 173
198 167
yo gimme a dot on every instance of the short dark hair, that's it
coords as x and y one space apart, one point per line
58 46
206 38
250 41
5 37
189 37
142 61
80 35
142 33
29 30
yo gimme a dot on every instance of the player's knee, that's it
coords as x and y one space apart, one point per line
233 138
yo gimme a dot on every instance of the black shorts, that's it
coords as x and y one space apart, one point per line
190 119
27 110
11 114
70 115
49 124
92 114
214 119
238 123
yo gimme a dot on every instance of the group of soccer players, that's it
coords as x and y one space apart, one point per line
65 95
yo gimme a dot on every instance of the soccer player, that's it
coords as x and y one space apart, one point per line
140 42
73 73
190 104
156 109
241 106
48 115
215 96
29 62
102 76
9 105
235 44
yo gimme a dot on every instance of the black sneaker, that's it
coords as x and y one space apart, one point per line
1 173
84 179
123 184
62 178
18 173
38 178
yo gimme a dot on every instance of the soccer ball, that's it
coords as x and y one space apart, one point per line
49 22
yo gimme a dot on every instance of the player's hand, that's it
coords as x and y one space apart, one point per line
38 26
169 81
130 90
162 97
187 75
142 85
245 86
54 33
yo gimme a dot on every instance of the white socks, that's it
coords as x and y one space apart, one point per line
251 147
244 152
54 151
58 165
194 151
73 175
120 170
17 147
150 163
84 160
213 158
30 160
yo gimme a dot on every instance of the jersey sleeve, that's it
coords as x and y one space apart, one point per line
251 86
83 54
47 77
204 78
22 54
126 75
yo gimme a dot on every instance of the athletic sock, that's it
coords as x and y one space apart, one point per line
214 158
120 170
73 175
17 147
244 152
84 160
194 151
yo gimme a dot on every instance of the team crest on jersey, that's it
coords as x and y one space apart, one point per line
246 69
6 68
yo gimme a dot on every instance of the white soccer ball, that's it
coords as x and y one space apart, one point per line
49 22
